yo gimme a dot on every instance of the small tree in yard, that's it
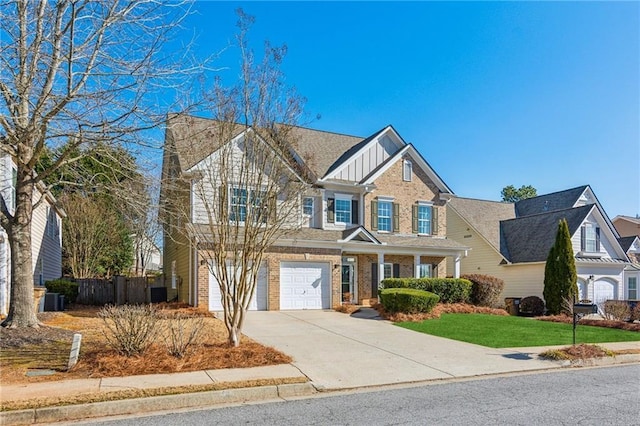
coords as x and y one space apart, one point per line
560 277
246 194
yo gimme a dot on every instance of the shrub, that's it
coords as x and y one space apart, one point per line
129 329
450 290
616 310
408 300
181 333
532 305
635 312
67 288
485 289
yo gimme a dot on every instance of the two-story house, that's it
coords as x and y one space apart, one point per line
512 241
46 234
374 208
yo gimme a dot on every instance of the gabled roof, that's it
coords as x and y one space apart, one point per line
195 138
529 238
358 234
549 202
483 216
627 242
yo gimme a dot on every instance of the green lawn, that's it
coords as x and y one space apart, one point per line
511 332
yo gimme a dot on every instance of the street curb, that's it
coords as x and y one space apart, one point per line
154 404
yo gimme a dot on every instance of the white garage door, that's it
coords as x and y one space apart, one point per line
603 291
259 301
305 285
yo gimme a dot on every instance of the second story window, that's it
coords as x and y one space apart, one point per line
424 219
384 215
590 238
343 210
248 205
307 206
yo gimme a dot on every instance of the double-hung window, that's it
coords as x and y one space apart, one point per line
384 215
307 206
387 270
425 214
632 291
248 205
590 238
343 210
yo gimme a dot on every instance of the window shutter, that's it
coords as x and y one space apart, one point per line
354 212
396 217
374 215
414 218
597 239
331 210
583 238
396 270
434 220
374 280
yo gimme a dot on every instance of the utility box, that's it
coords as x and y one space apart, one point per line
158 294
51 302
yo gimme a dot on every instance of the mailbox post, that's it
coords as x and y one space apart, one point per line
579 310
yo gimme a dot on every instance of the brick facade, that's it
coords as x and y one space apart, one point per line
406 194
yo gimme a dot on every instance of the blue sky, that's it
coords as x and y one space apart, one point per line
542 93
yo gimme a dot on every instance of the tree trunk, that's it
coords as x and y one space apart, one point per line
21 307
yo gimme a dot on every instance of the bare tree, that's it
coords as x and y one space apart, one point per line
246 184
73 72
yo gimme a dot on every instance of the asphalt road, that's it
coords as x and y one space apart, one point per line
587 396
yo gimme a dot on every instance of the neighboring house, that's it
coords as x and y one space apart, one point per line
374 210
46 235
627 226
148 256
512 241
631 246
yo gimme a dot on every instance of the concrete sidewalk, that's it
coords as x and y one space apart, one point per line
333 350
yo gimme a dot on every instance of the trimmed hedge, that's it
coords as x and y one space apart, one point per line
485 290
450 290
408 300
65 287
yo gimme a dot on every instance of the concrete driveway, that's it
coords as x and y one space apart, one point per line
338 351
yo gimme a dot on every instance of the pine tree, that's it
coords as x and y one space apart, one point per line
560 277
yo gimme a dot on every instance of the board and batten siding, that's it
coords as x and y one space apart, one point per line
369 160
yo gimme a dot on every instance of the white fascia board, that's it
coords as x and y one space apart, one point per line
418 159
607 228
374 139
361 230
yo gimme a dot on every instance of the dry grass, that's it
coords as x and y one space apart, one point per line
581 351
98 360
439 309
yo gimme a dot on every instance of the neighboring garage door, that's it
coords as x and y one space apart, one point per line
305 285
603 291
259 301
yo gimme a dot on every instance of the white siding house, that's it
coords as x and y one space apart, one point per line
46 235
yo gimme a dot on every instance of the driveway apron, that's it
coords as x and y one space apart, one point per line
338 351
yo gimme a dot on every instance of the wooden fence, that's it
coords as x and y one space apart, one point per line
117 291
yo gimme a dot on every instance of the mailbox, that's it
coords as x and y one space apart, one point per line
585 309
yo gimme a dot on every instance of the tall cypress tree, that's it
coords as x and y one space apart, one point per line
560 277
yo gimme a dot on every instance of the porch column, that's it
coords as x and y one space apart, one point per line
380 267
456 267
416 266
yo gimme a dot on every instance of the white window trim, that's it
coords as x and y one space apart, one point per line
407 165
429 267
384 270
312 206
342 197
390 202
425 204
629 287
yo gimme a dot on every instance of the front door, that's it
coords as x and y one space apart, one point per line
348 289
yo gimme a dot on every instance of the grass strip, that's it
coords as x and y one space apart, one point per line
512 332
